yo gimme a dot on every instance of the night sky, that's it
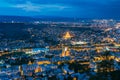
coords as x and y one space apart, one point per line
64 8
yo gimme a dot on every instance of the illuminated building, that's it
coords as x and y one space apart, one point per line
74 78
38 69
36 50
21 70
43 62
67 36
29 63
65 52
108 39
117 25
108 29
117 45
78 43
99 49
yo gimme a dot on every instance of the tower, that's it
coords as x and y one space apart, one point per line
65 52
21 70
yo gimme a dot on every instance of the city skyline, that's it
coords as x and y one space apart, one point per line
59 40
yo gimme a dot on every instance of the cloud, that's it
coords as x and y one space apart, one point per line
28 6
84 8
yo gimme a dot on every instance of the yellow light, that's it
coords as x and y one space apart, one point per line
29 63
43 62
67 36
38 70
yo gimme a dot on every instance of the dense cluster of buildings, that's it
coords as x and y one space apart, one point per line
57 52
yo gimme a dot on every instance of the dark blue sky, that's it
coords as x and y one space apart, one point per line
65 8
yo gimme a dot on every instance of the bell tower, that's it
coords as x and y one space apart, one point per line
65 52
